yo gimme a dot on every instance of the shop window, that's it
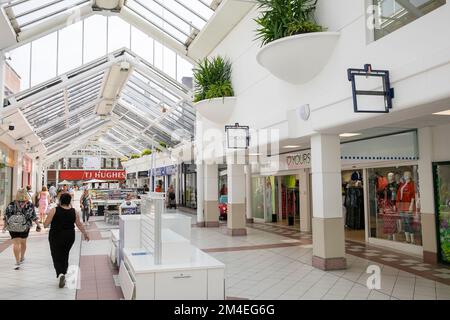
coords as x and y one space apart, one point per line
258 197
442 192
394 204
390 15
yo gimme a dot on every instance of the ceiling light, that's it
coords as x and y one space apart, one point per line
442 113
291 147
349 135
254 154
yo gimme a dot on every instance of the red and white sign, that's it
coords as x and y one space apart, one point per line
105 175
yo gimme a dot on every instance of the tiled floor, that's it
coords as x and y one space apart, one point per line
271 262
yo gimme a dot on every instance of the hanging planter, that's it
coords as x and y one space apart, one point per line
294 47
298 59
214 95
218 110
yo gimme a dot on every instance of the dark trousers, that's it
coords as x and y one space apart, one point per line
85 214
60 244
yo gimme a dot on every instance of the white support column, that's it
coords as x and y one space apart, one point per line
426 187
305 212
2 78
200 194
236 217
17 172
328 222
46 177
248 194
211 189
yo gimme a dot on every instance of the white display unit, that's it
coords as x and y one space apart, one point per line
166 265
115 247
178 223
200 278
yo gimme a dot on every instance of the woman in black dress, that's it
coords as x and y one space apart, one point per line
62 235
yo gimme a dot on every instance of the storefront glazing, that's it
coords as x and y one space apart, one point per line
394 204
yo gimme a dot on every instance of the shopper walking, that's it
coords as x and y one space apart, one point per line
62 235
85 205
171 198
19 218
30 193
43 203
52 192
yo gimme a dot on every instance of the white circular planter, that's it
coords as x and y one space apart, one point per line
298 59
218 110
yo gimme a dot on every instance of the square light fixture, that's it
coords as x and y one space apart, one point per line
238 137
366 97
442 113
349 135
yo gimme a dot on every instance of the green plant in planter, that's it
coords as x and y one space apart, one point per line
146 152
135 156
213 79
284 18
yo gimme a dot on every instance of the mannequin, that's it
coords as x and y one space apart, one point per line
390 196
406 196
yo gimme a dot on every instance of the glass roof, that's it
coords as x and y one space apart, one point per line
181 20
28 13
151 107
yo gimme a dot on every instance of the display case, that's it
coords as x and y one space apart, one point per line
165 265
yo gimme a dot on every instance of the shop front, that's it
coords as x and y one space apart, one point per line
381 193
280 190
6 176
165 177
131 180
143 179
189 186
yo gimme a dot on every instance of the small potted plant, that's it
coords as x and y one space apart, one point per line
214 95
135 156
294 47
146 152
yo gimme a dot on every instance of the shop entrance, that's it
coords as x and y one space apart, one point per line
353 205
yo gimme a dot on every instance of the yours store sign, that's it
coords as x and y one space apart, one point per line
290 161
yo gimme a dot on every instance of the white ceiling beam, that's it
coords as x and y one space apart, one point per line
49 26
65 82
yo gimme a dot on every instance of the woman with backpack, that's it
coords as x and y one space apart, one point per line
19 218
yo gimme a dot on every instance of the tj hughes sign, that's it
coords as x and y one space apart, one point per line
105 175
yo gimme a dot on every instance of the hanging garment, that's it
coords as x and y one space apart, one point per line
387 205
354 203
